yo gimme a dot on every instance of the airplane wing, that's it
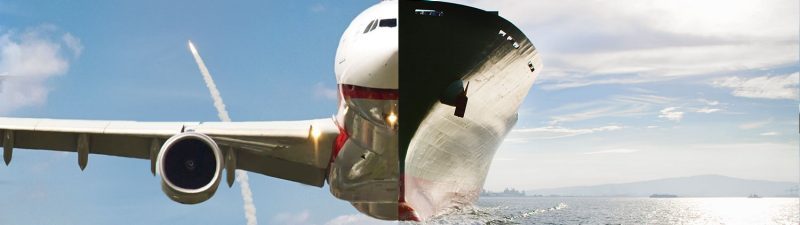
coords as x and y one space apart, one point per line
293 150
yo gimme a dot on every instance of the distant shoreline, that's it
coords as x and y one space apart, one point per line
694 186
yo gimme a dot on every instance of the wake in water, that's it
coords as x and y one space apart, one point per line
488 215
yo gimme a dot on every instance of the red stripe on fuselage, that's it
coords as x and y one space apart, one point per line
349 91
353 91
339 143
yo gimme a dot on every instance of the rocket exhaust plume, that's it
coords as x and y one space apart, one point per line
221 111
241 176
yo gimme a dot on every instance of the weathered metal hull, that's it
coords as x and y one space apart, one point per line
445 158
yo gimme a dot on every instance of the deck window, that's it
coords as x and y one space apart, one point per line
428 12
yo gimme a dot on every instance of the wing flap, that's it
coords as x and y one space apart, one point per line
104 144
286 150
280 168
45 140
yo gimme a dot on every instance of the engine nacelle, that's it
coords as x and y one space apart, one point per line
190 165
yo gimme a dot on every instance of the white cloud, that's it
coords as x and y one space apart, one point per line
772 133
645 99
292 218
707 106
641 90
671 113
590 114
615 106
323 91
73 43
630 41
553 132
612 151
755 124
708 102
665 63
713 18
356 219
554 82
769 87
707 110
30 58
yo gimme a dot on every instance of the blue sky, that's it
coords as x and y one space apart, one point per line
129 61
631 90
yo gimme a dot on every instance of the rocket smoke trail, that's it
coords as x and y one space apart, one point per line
221 111
241 176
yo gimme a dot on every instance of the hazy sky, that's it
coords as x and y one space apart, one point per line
631 90
634 90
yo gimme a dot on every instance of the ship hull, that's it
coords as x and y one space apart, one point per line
444 157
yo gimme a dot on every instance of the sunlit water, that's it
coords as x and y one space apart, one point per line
515 210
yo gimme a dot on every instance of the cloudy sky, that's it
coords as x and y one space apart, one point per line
635 90
631 90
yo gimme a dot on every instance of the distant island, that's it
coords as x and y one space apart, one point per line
694 186
508 192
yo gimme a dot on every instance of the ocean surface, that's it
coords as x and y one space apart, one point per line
575 210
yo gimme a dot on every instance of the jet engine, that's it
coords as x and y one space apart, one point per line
190 165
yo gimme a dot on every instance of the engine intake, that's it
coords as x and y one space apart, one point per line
190 165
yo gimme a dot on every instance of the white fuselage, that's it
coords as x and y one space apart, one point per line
447 157
364 168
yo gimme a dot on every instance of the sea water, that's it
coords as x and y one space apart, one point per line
579 210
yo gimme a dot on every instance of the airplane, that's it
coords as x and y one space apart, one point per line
465 72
